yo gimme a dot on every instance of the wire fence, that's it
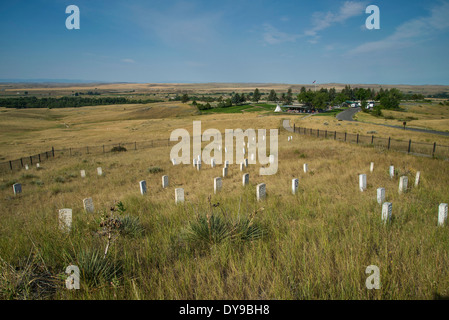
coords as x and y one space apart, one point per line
432 150
411 147
35 160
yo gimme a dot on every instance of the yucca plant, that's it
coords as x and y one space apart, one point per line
215 227
96 269
130 226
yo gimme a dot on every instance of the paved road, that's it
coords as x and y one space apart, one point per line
349 113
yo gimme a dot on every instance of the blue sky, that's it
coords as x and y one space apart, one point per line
227 41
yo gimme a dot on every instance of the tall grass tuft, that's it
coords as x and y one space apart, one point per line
213 228
97 270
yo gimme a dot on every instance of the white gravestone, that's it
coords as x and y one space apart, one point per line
195 162
88 205
442 214
26 167
245 162
371 167
17 188
217 184
362 182
179 195
225 172
261 192
306 167
226 164
164 182
173 161
380 195
403 181
38 165
387 209
391 172
245 180
417 177
242 166
212 163
99 171
143 187
295 184
198 165
65 220
83 173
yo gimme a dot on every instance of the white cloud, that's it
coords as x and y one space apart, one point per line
324 20
127 60
273 36
410 32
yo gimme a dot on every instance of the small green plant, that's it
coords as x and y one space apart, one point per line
59 179
301 155
29 176
155 170
37 183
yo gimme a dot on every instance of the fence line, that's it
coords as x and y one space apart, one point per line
411 147
433 150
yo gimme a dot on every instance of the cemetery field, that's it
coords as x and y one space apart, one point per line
315 244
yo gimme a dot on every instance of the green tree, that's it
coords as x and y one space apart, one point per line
289 97
256 95
320 100
391 99
185 98
272 96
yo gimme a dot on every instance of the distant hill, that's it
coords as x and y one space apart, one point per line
62 86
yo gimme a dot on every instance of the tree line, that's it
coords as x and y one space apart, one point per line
67 102
388 98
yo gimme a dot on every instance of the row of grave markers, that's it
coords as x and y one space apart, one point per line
387 207
261 189
28 168
65 215
99 172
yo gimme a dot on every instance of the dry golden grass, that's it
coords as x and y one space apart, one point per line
319 244
30 131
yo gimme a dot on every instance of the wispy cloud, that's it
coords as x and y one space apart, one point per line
273 36
324 20
128 60
181 22
410 32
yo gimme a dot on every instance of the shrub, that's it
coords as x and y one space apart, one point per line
118 149
155 170
37 183
59 179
